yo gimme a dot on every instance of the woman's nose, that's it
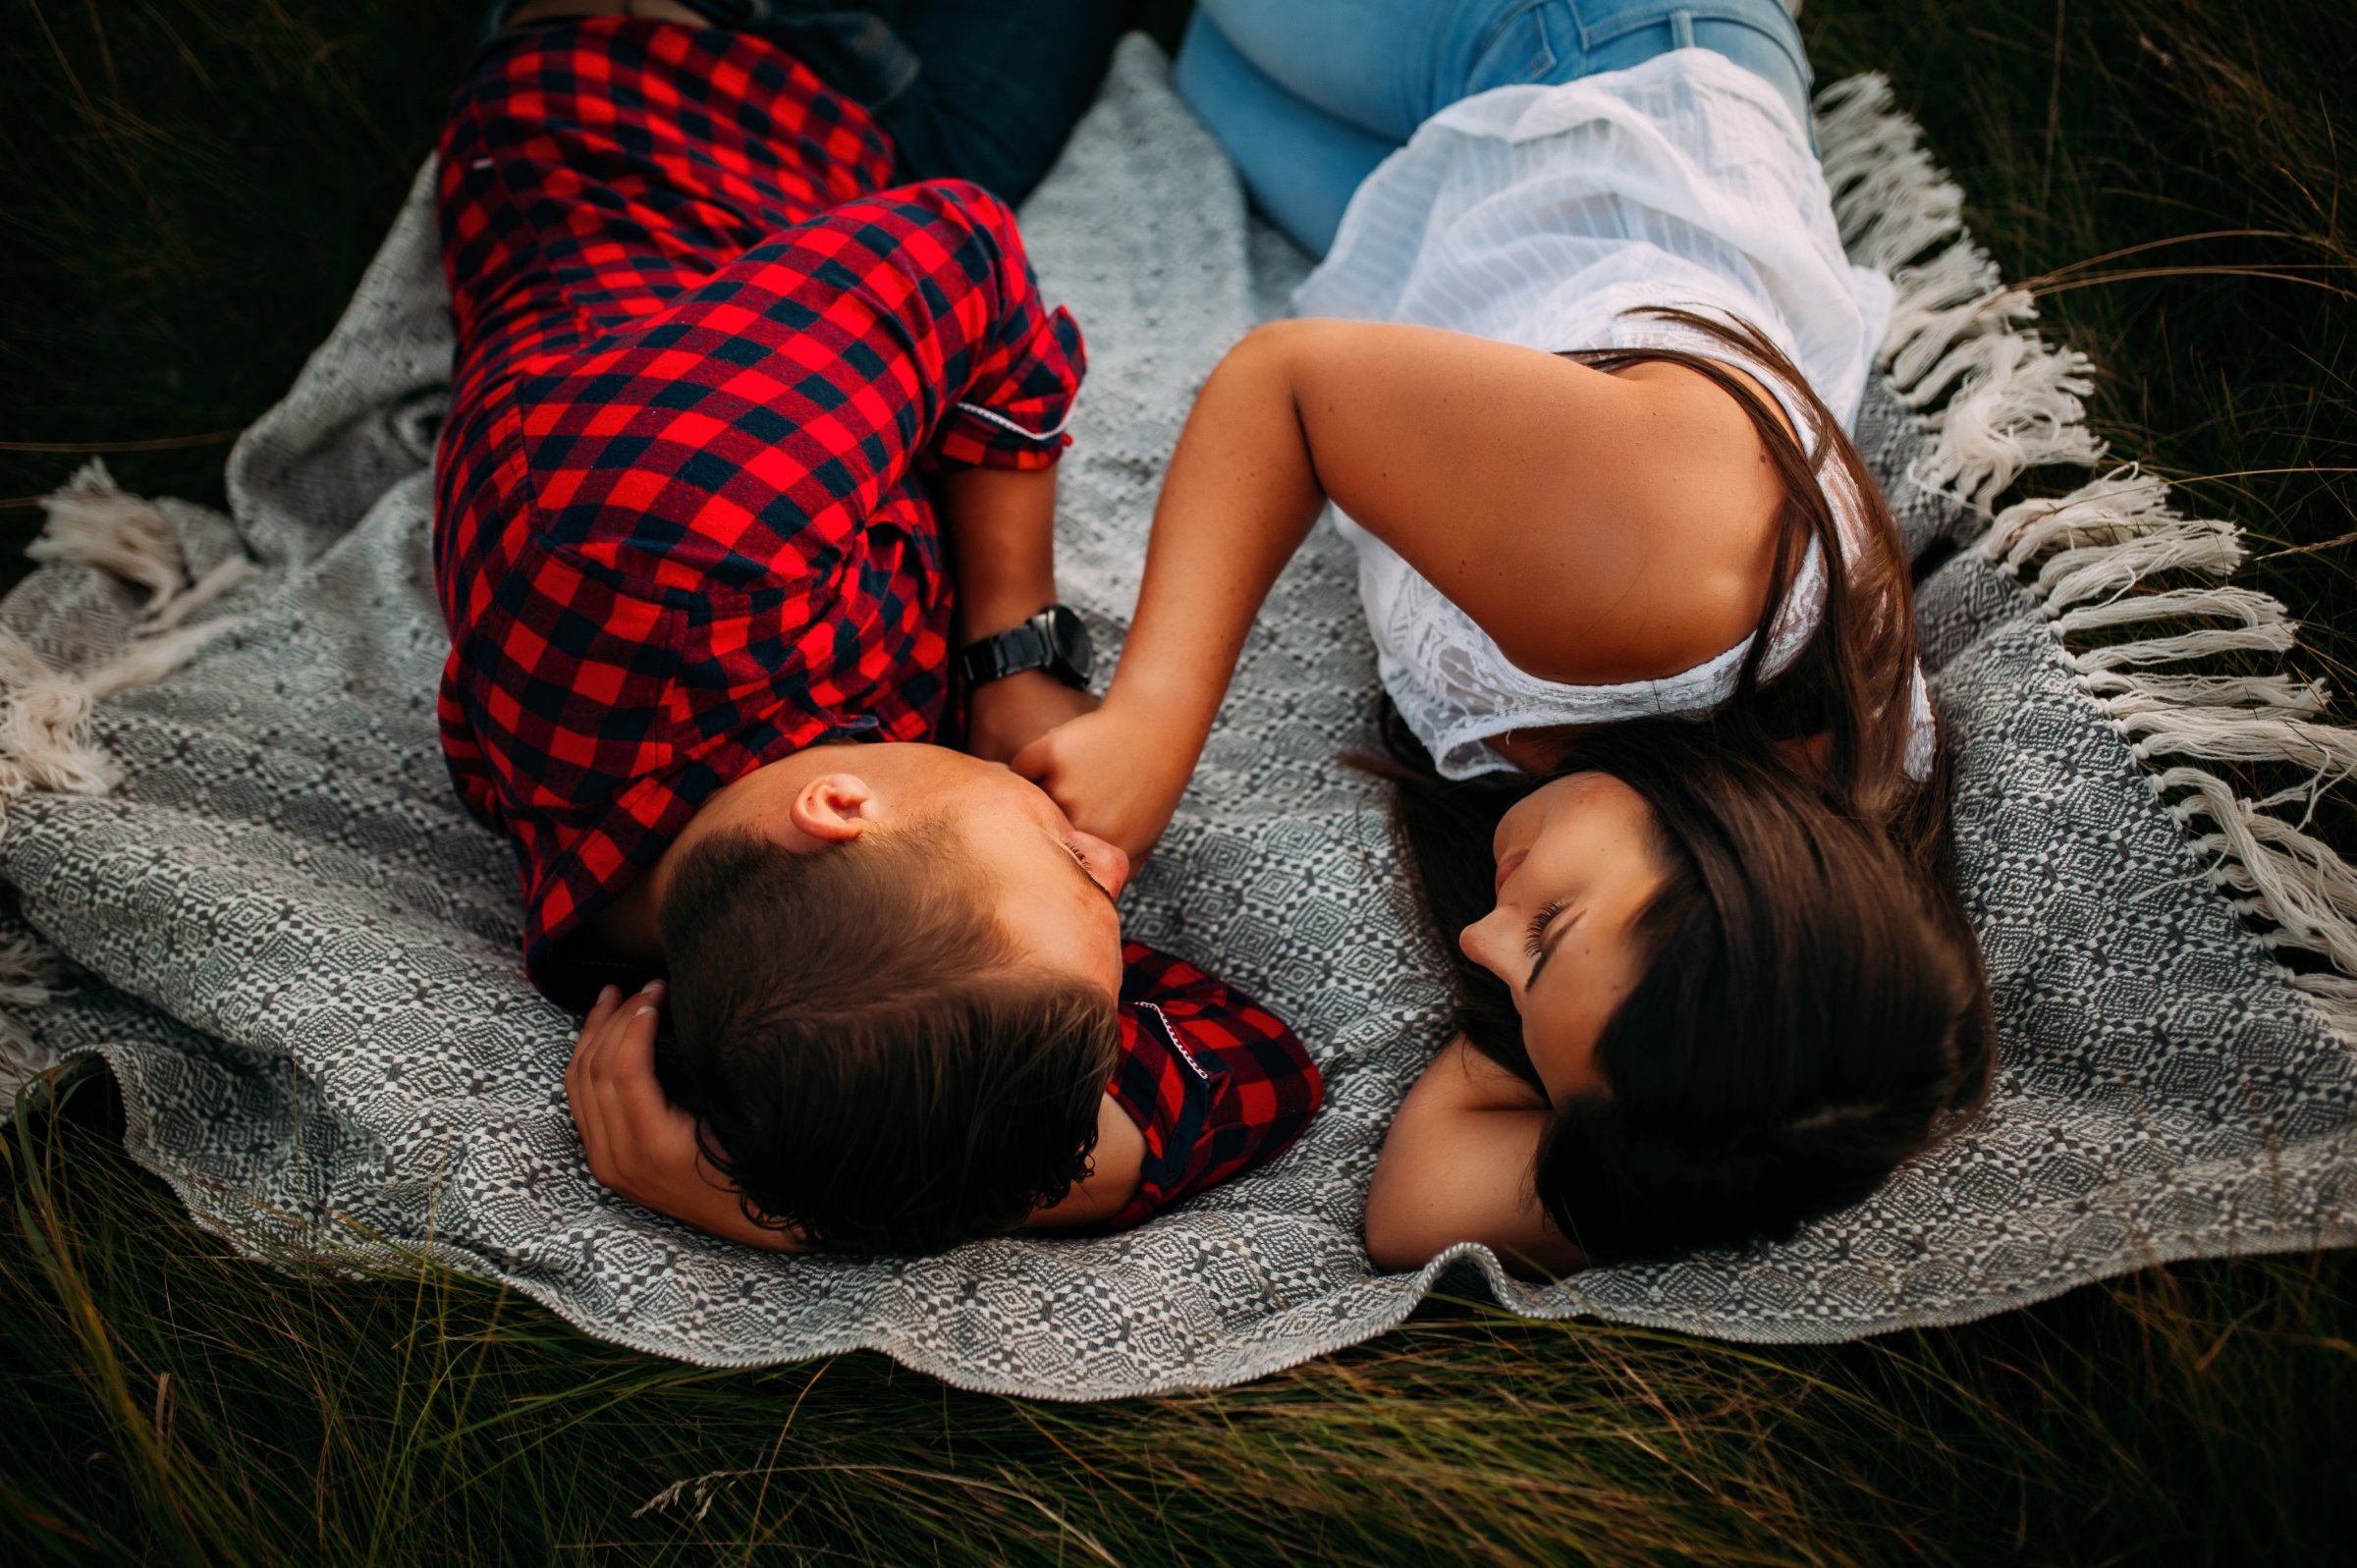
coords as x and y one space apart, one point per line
1107 860
1479 942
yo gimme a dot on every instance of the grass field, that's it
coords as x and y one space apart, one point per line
188 191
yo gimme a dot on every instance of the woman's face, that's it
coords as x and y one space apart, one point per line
1577 864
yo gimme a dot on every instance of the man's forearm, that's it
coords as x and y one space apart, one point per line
1001 528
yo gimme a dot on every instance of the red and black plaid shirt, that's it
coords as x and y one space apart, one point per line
705 360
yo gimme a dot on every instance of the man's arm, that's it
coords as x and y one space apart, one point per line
1456 1167
1115 1169
644 1148
1001 528
1213 1084
639 1143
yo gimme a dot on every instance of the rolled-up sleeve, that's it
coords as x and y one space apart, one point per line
1215 1083
1025 374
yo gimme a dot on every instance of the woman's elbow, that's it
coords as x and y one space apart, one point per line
1262 357
1398 1237
1394 1250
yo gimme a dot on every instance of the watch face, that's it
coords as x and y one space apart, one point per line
1075 651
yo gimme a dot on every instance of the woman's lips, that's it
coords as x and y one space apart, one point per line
1509 866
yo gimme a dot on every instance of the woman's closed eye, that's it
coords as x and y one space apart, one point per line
1534 942
1088 869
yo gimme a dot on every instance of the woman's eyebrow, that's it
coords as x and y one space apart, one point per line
1552 940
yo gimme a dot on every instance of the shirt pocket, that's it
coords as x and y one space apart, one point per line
567 680
1526 45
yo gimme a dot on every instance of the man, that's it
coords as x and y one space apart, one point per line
754 423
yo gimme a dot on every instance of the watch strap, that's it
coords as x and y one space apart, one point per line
1006 653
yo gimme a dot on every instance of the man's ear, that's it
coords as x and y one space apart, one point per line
833 807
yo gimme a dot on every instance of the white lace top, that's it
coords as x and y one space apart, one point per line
1542 216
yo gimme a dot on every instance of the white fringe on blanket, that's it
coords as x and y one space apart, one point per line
45 710
2012 403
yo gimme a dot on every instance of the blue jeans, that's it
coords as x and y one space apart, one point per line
986 90
1000 85
1309 95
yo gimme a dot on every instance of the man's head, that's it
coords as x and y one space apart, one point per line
894 976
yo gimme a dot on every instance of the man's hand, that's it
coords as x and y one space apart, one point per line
1114 776
639 1143
1005 715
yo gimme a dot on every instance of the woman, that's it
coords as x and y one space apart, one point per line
1666 759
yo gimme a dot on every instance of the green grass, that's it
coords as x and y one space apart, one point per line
168 1400
188 189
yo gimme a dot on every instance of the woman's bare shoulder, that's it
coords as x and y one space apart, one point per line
1599 526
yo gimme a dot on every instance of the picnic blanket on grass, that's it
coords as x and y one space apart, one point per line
244 881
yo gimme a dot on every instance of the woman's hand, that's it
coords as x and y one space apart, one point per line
639 1143
1114 776
1005 715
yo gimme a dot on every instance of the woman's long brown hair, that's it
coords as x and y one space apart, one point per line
1853 680
1813 998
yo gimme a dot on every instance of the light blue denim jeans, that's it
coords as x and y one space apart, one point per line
1309 95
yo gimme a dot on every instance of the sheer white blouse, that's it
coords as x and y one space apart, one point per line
1542 216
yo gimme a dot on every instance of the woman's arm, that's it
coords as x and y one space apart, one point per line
1456 1167
1598 527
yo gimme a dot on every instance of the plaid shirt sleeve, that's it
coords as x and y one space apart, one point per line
746 432
1215 1082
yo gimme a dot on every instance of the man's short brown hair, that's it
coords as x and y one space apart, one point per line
871 1060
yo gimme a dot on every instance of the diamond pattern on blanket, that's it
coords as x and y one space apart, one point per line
306 981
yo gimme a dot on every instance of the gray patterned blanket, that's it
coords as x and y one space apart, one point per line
243 880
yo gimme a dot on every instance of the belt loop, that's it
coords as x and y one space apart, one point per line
1681 30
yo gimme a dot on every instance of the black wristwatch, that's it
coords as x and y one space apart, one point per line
1055 640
